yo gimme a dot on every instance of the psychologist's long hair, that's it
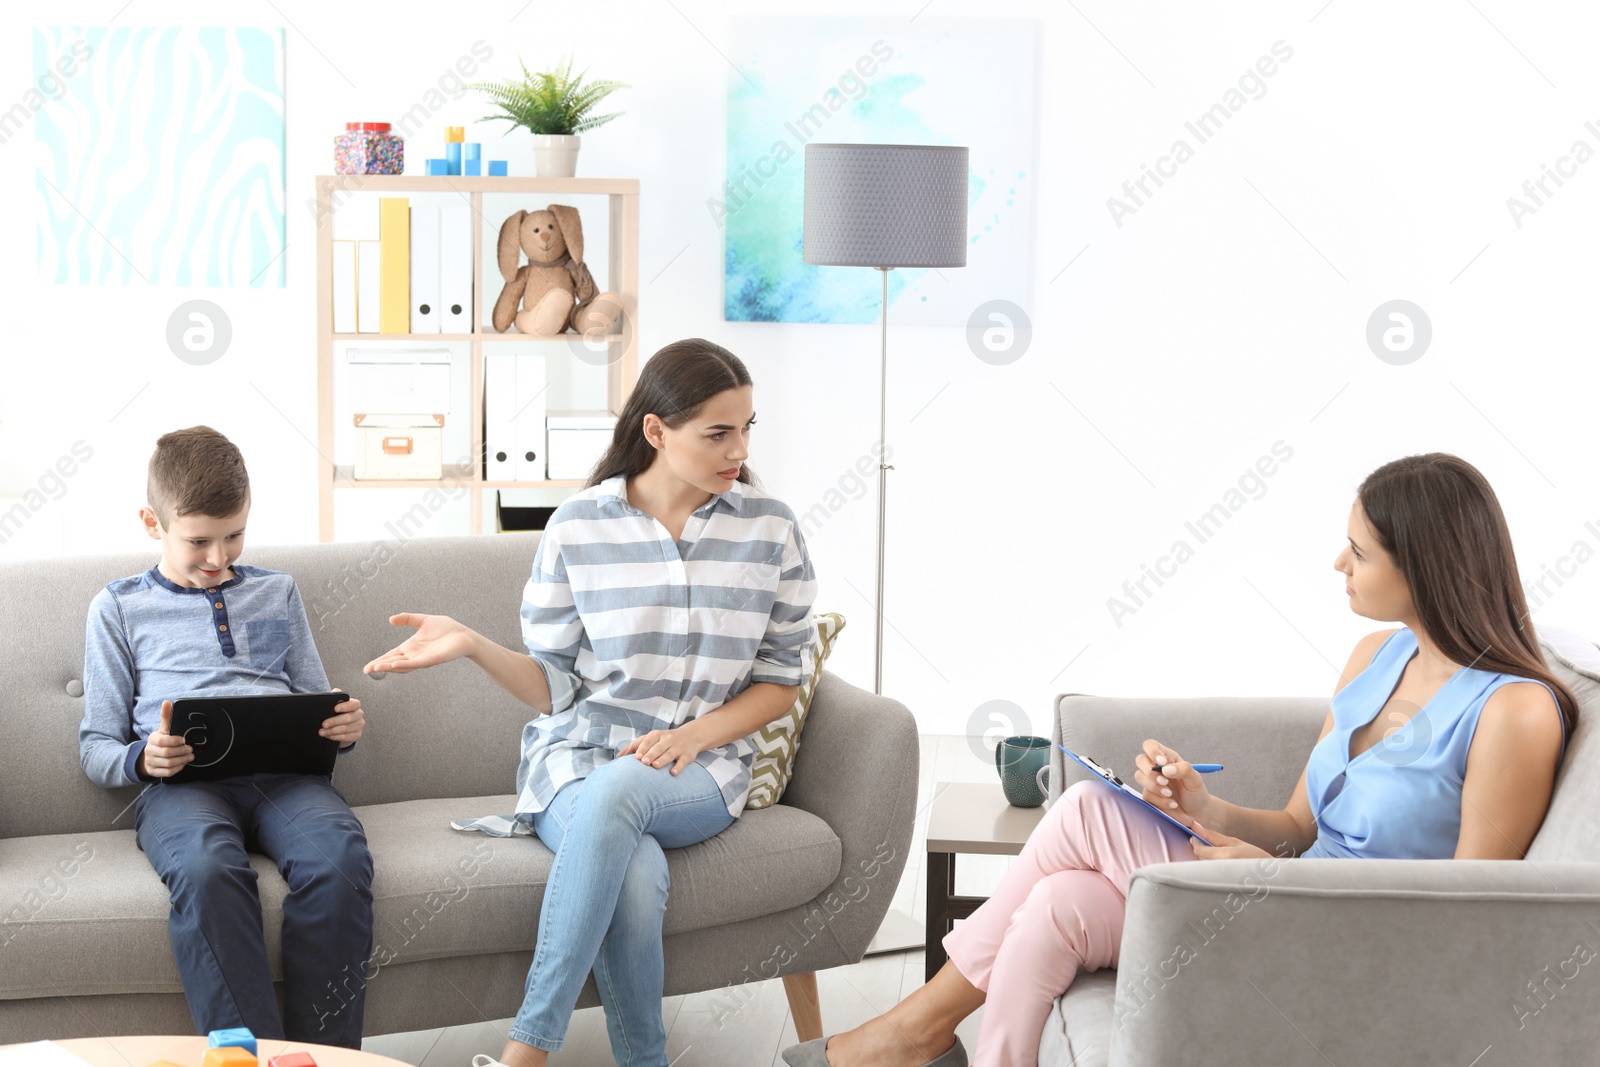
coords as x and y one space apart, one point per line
675 384
1441 523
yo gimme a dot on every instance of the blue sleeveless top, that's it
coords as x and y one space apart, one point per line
1401 798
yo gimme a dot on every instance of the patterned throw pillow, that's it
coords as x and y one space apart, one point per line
779 740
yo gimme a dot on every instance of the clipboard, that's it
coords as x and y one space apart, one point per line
1111 781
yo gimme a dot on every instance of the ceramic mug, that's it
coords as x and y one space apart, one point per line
1019 761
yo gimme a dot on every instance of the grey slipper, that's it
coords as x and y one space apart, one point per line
814 1054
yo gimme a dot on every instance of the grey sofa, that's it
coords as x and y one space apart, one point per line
1324 961
84 949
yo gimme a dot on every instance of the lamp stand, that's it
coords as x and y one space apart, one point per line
883 469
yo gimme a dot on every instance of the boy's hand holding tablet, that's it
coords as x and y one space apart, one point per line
347 723
165 753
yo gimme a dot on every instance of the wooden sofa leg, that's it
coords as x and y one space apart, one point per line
803 1005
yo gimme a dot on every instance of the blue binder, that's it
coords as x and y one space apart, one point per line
1111 781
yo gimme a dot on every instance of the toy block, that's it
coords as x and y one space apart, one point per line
438 166
292 1059
472 150
472 168
236 1037
497 168
227 1057
452 155
455 134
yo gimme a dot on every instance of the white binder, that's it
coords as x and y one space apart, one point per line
499 405
425 315
367 286
344 287
528 434
455 268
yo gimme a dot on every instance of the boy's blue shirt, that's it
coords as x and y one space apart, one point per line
149 639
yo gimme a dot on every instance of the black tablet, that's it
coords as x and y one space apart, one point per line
234 736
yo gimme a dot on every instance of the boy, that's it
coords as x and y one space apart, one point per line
198 624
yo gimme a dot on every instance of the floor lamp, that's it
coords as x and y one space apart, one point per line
885 206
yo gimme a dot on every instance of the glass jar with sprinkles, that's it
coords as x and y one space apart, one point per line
368 148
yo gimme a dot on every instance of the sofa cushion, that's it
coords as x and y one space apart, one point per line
1570 830
85 913
89 915
779 740
1078 1029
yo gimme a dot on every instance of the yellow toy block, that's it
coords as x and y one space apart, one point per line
455 133
227 1057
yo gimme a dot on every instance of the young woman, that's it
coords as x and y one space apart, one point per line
666 620
1443 741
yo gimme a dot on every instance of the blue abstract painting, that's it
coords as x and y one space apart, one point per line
800 80
159 156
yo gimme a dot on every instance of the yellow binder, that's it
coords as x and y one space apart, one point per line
394 264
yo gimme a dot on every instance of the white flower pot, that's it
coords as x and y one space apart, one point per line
555 155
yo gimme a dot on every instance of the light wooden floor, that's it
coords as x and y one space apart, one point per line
759 1032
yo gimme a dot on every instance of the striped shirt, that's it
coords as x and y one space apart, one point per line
636 632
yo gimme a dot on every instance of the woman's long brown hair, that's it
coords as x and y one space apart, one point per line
1440 522
675 384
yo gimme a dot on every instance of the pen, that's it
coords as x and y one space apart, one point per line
1206 768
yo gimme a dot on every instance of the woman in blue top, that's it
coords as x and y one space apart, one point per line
1443 741
667 618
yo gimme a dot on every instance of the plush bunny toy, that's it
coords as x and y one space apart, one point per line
554 290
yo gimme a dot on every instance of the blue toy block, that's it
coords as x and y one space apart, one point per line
472 168
474 150
452 155
438 166
239 1037
497 168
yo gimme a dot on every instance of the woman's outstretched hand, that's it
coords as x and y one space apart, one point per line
1172 784
1223 847
439 639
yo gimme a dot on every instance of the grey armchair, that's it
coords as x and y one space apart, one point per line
1318 962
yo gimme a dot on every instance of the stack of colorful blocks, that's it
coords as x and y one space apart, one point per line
237 1048
463 157
230 1048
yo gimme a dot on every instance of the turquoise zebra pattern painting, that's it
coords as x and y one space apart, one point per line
161 160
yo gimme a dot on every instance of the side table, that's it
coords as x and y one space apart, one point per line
970 818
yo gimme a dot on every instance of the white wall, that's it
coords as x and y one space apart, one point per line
1228 313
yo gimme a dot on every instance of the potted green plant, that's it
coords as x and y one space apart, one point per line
555 107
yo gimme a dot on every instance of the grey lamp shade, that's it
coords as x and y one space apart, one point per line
886 205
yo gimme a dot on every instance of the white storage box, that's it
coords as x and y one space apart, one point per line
575 441
399 446
397 381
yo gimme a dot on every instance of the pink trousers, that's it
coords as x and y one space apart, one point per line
1058 910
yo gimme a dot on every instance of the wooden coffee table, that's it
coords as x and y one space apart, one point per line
186 1051
970 818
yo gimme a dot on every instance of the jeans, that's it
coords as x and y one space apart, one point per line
605 899
196 836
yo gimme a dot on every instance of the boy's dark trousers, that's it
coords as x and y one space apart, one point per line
197 835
